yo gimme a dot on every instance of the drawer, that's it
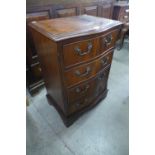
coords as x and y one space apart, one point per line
108 41
104 61
79 105
84 94
86 71
83 90
102 81
78 52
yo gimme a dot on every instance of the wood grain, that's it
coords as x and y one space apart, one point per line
82 85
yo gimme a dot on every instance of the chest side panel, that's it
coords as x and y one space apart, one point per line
47 52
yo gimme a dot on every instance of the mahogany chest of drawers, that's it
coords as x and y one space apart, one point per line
75 55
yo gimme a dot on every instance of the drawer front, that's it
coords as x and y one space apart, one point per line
82 90
78 52
108 41
102 82
86 71
79 105
104 61
83 95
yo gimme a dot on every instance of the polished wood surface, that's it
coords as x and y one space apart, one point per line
75 61
90 85
107 41
81 73
34 71
48 54
38 10
73 26
79 51
83 95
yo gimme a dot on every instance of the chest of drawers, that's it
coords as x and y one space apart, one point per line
75 55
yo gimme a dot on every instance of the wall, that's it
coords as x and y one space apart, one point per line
47 2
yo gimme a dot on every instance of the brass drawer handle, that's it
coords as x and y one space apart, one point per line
104 61
79 52
108 39
78 90
77 72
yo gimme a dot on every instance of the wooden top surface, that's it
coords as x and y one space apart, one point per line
75 26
